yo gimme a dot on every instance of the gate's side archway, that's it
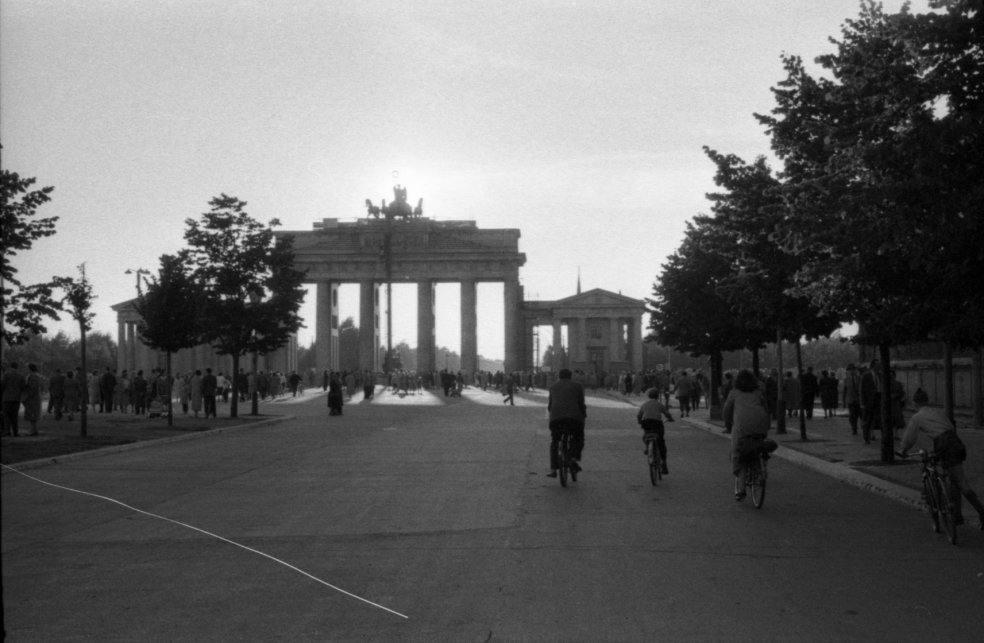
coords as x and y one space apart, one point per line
372 252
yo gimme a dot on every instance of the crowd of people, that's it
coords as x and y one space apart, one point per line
195 392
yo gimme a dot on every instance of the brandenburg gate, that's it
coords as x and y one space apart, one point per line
405 247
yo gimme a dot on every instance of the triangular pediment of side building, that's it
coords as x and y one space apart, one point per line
598 297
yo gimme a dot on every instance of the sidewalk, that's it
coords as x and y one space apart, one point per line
831 449
59 440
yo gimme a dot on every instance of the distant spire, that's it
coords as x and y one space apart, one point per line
579 280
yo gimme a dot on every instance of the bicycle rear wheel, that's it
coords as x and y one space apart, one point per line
562 461
757 479
932 504
652 456
947 515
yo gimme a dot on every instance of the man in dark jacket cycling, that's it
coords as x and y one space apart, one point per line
565 405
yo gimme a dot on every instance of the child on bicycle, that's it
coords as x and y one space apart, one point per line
649 417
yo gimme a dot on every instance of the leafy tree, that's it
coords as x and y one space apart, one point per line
554 358
348 345
761 285
62 352
252 292
78 298
881 176
171 311
23 307
689 312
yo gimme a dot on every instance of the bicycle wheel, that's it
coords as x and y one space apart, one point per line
947 515
562 461
652 456
757 478
932 504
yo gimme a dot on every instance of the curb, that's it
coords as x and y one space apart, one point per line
132 446
840 472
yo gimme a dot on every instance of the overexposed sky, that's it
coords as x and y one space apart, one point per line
580 123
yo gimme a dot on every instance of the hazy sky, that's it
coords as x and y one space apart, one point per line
581 123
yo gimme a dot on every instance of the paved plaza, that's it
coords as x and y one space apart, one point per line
424 518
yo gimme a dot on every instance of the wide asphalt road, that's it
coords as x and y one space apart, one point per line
427 519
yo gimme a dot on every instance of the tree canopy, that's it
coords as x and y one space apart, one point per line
23 307
882 171
252 293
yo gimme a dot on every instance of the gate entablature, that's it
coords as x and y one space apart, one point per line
353 251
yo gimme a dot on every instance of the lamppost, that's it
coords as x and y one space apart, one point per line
398 209
137 272
255 297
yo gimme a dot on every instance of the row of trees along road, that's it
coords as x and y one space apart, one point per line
875 216
234 287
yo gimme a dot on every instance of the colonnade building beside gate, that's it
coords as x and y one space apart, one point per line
599 330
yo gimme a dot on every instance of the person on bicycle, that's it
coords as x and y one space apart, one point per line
933 425
650 418
567 412
746 417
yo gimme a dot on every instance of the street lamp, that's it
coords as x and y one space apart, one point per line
137 272
255 297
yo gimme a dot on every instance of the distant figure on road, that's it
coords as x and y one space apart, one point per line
510 389
335 396
871 392
567 412
851 396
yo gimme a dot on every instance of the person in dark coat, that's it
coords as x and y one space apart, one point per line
809 389
335 395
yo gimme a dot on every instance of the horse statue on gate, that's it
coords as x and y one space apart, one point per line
398 209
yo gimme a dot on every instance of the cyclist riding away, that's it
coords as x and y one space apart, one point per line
746 417
567 412
649 417
932 425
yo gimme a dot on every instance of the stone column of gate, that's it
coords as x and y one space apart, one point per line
512 305
557 339
469 327
635 343
425 327
121 350
368 340
581 354
131 345
322 326
614 341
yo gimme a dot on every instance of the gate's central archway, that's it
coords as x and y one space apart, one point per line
372 252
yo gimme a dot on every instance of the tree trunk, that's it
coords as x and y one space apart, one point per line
948 382
717 360
84 419
799 376
255 395
170 385
780 400
977 382
887 430
234 405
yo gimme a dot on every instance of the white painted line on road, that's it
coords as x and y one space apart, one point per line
208 533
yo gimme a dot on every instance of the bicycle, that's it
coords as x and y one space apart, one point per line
755 462
653 458
565 464
938 493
